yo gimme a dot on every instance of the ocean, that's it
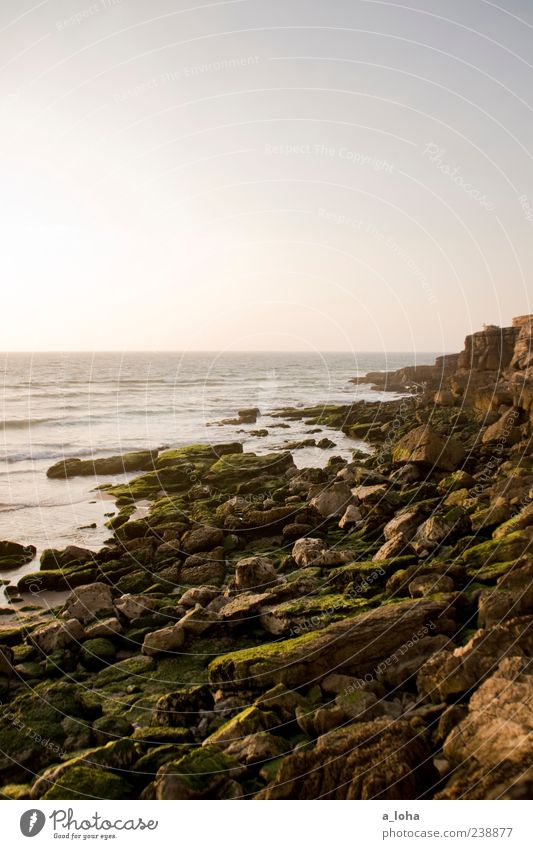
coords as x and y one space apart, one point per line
63 405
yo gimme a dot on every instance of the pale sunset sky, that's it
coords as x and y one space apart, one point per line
264 174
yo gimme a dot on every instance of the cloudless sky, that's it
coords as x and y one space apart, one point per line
263 174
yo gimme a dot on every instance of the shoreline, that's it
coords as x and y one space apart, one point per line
259 622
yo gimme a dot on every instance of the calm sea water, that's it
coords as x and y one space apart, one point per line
81 405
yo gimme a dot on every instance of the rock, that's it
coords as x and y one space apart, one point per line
243 607
249 721
198 595
370 760
248 416
409 473
457 480
182 708
198 620
136 461
163 641
74 777
202 539
352 518
13 555
257 748
204 569
450 674
497 512
58 635
512 596
104 628
425 585
425 447
441 527
203 773
51 558
397 546
333 500
315 552
295 530
369 494
135 606
405 522
523 519
397 670
97 653
512 546
505 431
352 646
255 573
493 745
90 601
233 469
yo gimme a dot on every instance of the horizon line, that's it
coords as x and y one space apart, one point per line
217 351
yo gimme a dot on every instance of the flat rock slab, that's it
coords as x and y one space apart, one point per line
353 646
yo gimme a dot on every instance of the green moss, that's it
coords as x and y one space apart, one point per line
510 547
85 782
155 735
15 791
490 573
155 758
248 721
97 653
200 768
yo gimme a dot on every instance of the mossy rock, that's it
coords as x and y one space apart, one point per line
156 735
200 774
509 547
155 758
233 469
85 782
32 734
135 582
108 728
490 574
137 666
97 653
248 721
366 574
15 791
57 580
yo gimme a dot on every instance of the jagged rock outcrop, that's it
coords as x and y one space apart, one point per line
494 369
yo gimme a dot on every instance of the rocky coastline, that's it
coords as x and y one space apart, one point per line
361 631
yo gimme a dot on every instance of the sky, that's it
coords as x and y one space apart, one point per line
249 175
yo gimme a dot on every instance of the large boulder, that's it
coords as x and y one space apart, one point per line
505 431
450 674
203 538
135 461
354 646
424 446
316 552
13 554
512 595
333 500
203 773
493 745
134 606
90 601
253 573
163 641
58 635
370 760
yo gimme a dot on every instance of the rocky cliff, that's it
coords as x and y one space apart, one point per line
492 374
